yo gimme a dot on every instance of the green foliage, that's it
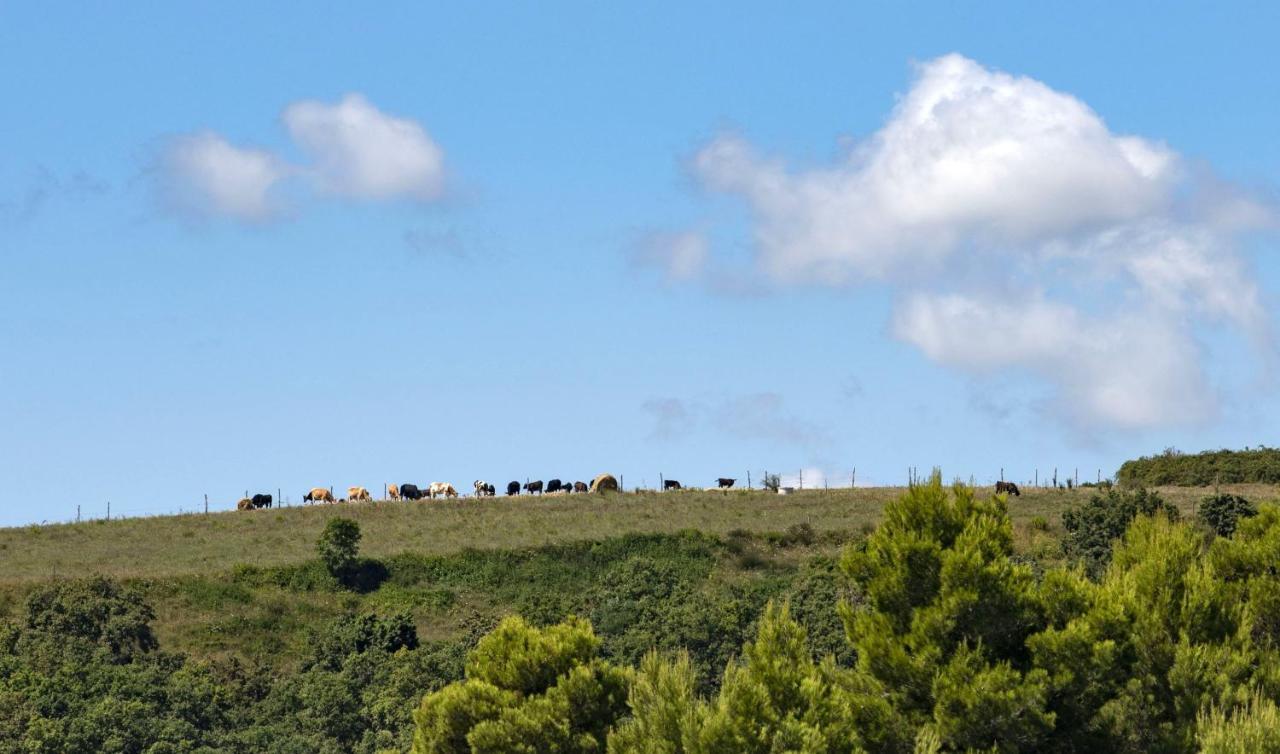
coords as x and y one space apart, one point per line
1092 528
1222 512
777 699
1038 523
945 619
339 547
97 612
1172 467
1253 729
527 690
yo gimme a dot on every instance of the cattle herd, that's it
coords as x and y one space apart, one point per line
409 491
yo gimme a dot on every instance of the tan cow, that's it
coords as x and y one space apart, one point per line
318 495
393 492
245 504
355 494
441 488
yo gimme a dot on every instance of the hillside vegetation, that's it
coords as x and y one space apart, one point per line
165 546
934 619
1211 467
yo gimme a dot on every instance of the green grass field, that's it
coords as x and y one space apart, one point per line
167 546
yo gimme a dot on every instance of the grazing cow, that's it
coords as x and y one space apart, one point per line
604 483
438 489
318 495
513 488
1008 488
261 501
410 492
484 489
725 483
554 485
358 493
393 492
580 487
534 487
245 504
670 484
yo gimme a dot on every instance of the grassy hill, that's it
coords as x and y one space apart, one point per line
243 597
166 546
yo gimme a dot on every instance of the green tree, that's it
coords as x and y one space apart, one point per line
339 547
541 691
1222 512
1094 527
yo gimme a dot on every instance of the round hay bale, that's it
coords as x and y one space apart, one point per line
245 504
604 483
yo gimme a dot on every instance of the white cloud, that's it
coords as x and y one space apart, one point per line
968 156
207 175
681 256
1020 232
1130 371
362 152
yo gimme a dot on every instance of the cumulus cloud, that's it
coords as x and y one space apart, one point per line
1020 232
354 151
1130 372
361 152
208 175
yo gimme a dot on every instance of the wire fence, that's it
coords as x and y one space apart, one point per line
785 481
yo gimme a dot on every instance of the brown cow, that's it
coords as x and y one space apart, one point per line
358 493
318 495
245 504
393 492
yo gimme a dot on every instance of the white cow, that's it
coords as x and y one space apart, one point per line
441 488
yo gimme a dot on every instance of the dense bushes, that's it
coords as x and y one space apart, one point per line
1222 512
928 635
527 690
1092 528
1174 645
1200 469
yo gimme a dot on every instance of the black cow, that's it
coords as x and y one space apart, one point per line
533 487
490 490
1008 487
554 485
261 501
670 484
580 487
513 488
410 492
725 483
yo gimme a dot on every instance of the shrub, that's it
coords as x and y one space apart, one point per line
1038 523
527 689
1200 469
339 547
1092 528
1254 729
1222 512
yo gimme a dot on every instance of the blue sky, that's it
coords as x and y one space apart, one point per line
256 249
